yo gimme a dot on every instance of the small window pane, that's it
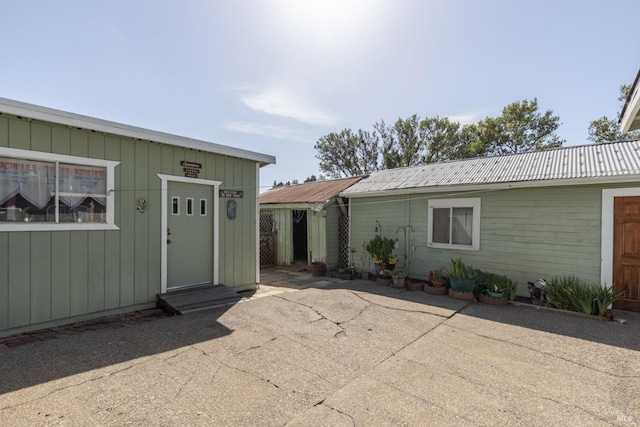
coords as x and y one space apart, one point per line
190 206
203 207
441 225
175 205
462 226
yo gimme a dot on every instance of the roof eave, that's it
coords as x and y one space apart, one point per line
629 118
22 109
497 186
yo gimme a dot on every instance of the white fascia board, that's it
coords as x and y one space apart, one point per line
37 112
631 112
498 186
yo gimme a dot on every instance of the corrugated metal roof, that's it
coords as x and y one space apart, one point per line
615 159
309 192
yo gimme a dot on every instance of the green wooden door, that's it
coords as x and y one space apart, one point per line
190 239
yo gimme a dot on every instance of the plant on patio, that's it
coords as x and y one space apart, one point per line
461 276
568 293
385 277
436 279
398 279
381 249
605 297
491 283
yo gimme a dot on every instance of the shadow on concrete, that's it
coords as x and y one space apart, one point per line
66 355
588 328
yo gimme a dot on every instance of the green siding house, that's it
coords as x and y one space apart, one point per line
98 217
529 216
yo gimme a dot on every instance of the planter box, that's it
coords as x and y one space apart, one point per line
414 286
435 290
465 296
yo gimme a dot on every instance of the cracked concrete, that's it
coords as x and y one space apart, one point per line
339 354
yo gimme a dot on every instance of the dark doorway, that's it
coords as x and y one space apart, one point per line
300 236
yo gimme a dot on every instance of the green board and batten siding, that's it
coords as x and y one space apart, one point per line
524 233
46 276
322 232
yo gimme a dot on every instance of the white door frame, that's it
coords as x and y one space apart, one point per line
163 227
606 241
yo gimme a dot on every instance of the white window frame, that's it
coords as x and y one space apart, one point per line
473 203
109 165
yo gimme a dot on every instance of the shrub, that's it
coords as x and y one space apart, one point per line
568 293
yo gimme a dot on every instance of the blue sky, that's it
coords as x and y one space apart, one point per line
273 76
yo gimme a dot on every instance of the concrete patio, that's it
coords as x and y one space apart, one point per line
320 351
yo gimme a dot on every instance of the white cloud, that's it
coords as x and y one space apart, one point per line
466 119
267 130
278 103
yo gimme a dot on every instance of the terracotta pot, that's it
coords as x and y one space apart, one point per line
486 299
465 296
435 291
437 284
383 282
414 286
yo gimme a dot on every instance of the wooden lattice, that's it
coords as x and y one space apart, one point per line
267 239
267 222
343 242
268 249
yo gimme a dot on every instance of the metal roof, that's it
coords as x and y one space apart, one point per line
309 192
22 109
570 165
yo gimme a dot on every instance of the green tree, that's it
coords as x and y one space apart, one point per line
347 154
402 144
442 139
521 128
412 141
605 129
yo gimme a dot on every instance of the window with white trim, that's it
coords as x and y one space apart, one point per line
454 223
50 191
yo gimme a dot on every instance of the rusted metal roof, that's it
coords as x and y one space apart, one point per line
595 161
309 192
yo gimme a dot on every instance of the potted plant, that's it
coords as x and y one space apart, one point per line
381 249
384 278
461 277
495 291
436 279
398 279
